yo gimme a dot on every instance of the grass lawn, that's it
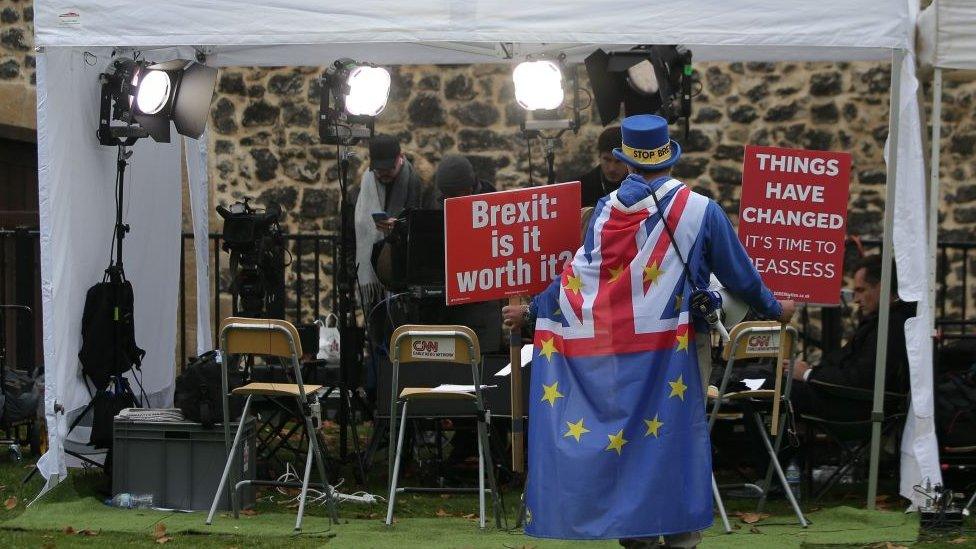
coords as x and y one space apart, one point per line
73 515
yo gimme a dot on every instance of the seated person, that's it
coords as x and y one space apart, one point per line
853 364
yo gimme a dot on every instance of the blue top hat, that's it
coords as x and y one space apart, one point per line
646 143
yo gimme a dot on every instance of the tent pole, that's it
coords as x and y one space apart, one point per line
877 410
934 192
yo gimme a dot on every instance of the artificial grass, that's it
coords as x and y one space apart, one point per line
840 525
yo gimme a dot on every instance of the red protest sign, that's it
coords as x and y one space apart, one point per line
793 218
509 243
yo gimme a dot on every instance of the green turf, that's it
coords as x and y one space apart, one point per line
76 503
830 526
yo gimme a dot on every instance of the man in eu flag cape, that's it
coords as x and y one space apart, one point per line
618 439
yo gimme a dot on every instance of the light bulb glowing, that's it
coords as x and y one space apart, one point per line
538 85
153 92
369 89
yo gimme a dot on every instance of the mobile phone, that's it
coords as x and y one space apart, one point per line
380 216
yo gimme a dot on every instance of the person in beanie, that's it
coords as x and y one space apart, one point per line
455 177
618 438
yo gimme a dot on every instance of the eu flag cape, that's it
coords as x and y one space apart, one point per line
618 440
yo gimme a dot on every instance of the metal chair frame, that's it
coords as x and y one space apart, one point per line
738 349
467 351
292 350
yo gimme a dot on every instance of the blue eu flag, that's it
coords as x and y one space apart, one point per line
618 440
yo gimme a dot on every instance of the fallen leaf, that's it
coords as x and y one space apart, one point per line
959 540
159 530
249 512
88 532
443 496
164 539
442 513
470 516
10 503
69 531
755 530
752 518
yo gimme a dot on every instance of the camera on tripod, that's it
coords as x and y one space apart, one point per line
256 246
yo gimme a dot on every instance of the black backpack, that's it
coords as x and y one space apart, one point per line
198 390
108 340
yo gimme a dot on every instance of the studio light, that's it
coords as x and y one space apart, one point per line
369 90
644 80
353 95
538 85
146 97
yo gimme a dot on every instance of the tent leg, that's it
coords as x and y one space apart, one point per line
934 190
877 410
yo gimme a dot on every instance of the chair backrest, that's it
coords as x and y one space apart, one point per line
259 336
758 339
435 343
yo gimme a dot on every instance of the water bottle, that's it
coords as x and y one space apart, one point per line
131 501
793 478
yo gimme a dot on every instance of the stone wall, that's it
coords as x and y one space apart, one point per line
265 144
17 96
265 140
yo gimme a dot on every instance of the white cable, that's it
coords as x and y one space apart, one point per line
320 497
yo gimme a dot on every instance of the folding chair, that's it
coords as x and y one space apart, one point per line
761 339
277 338
450 344
854 437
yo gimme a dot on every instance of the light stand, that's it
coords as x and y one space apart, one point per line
551 130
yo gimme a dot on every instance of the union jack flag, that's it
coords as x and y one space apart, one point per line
618 443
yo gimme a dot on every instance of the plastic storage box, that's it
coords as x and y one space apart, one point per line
179 463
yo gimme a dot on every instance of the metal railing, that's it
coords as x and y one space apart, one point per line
303 282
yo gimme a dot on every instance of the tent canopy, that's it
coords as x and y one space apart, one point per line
75 172
947 34
307 32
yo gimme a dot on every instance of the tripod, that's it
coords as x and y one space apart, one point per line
114 281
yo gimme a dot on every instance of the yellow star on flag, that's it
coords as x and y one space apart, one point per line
551 393
677 302
557 312
574 284
678 387
653 426
548 348
617 442
682 341
615 273
652 273
576 430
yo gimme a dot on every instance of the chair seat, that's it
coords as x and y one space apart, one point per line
274 389
414 393
761 394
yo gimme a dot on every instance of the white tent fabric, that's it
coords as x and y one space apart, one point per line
420 31
920 454
947 34
307 32
198 181
77 209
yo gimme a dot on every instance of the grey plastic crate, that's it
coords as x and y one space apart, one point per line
179 463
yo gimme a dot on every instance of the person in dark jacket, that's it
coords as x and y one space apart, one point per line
853 364
606 176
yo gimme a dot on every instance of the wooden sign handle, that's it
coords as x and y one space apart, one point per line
518 420
778 388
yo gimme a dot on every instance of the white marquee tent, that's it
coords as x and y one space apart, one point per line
77 39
